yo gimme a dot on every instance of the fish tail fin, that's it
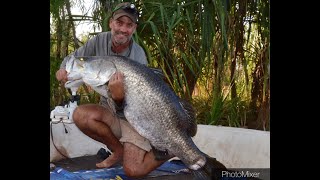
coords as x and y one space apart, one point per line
212 170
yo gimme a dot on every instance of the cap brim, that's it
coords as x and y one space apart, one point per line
123 13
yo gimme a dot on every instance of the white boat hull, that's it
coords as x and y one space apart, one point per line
234 147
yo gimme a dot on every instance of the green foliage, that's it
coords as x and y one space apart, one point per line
222 111
57 95
213 53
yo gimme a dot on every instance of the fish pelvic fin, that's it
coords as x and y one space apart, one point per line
212 170
190 120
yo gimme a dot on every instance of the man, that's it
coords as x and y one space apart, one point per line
98 121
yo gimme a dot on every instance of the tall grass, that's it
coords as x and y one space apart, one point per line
213 53
58 93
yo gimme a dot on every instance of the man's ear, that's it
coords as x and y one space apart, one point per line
110 23
135 29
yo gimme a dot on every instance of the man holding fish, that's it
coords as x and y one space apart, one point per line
98 121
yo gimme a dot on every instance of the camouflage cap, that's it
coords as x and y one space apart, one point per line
126 9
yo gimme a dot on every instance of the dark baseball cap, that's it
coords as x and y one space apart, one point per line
126 9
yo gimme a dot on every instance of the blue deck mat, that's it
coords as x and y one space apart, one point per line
167 168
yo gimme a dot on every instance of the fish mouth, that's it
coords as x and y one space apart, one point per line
199 164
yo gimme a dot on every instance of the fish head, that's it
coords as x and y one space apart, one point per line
74 68
97 72
94 71
73 84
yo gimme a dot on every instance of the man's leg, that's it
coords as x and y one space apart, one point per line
138 162
138 157
95 121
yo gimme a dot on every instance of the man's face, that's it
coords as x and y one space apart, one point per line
122 29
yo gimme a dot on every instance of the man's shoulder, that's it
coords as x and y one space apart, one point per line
139 54
103 39
136 47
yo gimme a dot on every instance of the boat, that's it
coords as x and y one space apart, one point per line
241 149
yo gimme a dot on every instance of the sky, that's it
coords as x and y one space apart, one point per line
84 26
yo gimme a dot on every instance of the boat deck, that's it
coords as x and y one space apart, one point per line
84 168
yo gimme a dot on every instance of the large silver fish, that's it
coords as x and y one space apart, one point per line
150 106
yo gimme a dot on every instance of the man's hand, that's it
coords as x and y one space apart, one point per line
116 87
61 75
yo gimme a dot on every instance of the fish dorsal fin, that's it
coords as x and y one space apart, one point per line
189 120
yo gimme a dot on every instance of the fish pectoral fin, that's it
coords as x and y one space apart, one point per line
160 155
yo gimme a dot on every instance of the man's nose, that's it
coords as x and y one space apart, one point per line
124 29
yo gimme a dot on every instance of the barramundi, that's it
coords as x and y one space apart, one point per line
154 110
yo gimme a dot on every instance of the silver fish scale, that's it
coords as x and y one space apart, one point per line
154 111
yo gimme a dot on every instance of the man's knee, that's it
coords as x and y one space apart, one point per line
90 112
84 113
77 114
136 162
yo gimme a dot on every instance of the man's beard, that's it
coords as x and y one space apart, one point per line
122 40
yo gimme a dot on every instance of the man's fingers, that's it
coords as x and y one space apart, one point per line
61 75
116 76
112 78
120 76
